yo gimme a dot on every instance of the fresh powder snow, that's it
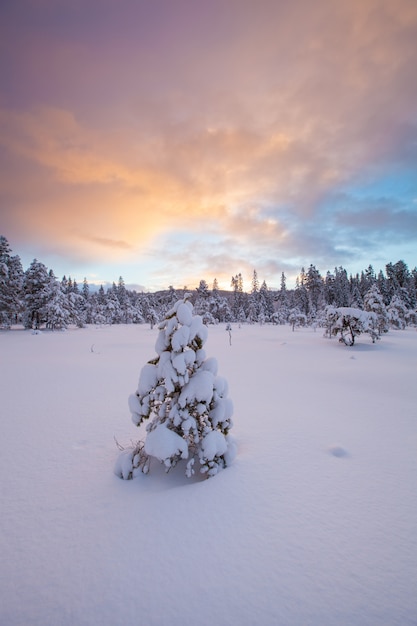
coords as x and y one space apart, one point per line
163 443
314 523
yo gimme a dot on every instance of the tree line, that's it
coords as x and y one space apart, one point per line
36 298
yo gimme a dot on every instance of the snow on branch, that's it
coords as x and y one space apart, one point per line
185 401
349 323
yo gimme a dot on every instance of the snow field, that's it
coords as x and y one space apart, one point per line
314 523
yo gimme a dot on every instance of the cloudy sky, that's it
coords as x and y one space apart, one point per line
167 141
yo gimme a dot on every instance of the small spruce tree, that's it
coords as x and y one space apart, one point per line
374 302
184 400
397 313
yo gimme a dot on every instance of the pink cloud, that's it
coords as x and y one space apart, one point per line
129 121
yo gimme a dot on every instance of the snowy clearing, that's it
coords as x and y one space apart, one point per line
314 523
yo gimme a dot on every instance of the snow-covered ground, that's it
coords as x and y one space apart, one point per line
314 523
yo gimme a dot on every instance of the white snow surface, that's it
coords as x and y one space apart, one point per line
313 524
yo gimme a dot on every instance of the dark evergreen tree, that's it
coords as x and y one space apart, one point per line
330 289
203 303
367 279
301 299
64 284
397 276
59 310
382 285
413 287
374 302
112 309
255 282
85 304
356 299
283 295
85 289
37 292
11 281
314 285
402 273
202 289
126 308
101 295
266 303
237 306
341 287
397 312
254 309
280 316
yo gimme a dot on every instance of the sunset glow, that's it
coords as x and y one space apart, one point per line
176 140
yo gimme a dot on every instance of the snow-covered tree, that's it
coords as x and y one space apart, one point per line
241 316
367 279
397 312
350 323
202 303
279 317
301 299
57 311
94 309
314 285
253 308
373 301
238 298
77 308
411 318
341 288
85 291
282 296
219 307
127 311
11 280
253 300
281 303
356 299
260 302
297 318
137 310
184 399
112 310
37 292
266 302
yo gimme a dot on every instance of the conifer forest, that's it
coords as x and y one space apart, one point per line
36 298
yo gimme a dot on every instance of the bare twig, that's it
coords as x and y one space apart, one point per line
121 448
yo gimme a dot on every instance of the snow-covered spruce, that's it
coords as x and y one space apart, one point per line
184 399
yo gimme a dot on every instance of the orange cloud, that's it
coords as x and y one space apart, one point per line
228 125
91 181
